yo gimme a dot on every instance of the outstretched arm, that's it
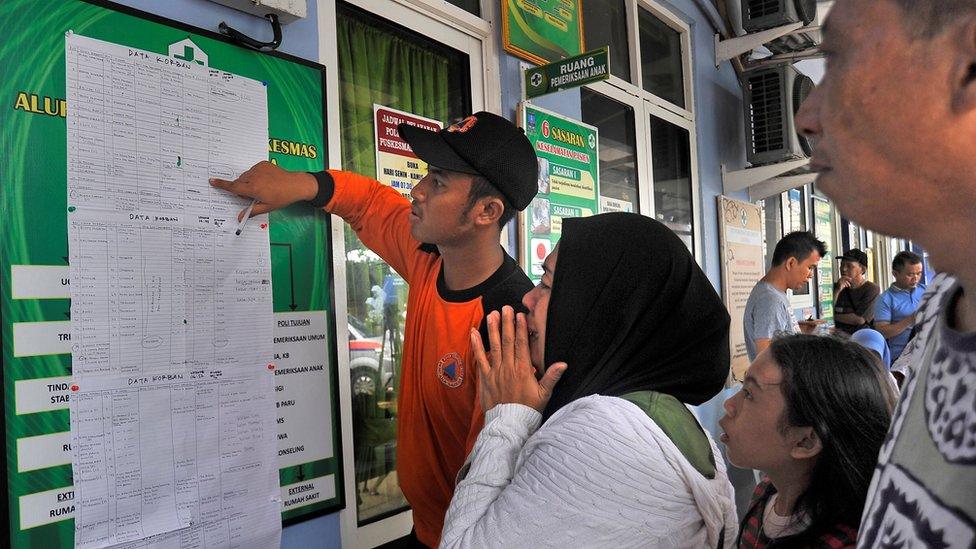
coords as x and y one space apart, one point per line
273 187
376 212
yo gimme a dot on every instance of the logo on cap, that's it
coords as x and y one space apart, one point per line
463 125
450 370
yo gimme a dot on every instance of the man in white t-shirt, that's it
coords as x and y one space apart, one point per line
894 130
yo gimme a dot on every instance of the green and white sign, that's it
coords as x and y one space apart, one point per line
823 229
580 70
569 174
542 30
34 273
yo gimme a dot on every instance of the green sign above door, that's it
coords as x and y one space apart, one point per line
573 72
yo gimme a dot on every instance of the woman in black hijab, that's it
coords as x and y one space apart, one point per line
631 330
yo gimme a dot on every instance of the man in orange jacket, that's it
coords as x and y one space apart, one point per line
445 244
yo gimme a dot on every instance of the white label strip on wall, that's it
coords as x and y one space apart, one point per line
42 395
307 492
46 507
39 282
42 338
43 451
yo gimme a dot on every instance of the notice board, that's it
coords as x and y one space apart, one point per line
34 279
823 229
740 233
569 181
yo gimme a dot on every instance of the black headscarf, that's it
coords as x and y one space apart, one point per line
630 310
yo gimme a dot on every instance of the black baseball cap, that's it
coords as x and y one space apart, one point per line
484 144
856 255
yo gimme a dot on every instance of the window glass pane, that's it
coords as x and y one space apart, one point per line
794 211
382 63
618 149
671 158
605 24
660 48
773 225
470 6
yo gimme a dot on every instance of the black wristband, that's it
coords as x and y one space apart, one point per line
326 189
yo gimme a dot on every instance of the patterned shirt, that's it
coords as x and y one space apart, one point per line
923 493
751 535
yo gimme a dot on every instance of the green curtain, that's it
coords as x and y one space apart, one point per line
378 66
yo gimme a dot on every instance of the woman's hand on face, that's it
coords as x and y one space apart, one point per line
508 377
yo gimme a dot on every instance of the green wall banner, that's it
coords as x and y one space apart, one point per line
573 72
569 180
823 229
542 30
35 313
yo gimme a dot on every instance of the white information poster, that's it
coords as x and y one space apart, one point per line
172 395
301 381
396 164
741 247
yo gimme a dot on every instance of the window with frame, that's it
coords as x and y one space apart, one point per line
656 103
618 150
671 160
604 23
422 77
662 73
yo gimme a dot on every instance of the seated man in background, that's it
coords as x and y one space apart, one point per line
894 314
854 295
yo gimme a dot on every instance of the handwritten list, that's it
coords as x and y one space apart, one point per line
172 415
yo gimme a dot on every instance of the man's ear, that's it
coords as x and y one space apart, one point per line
790 263
807 445
964 71
490 210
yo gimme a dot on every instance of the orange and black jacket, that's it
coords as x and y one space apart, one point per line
438 412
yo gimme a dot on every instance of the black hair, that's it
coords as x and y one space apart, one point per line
838 388
798 245
902 259
928 18
482 188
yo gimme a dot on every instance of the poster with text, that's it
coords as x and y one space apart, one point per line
823 230
741 247
569 173
396 165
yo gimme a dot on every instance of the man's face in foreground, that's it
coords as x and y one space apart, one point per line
882 119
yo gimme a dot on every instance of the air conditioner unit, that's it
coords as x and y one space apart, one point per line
772 98
760 15
287 11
